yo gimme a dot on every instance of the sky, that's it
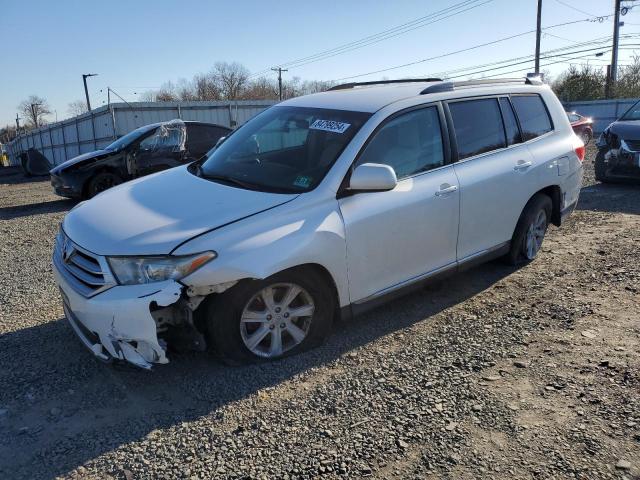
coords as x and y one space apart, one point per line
136 46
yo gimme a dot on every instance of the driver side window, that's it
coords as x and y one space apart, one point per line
410 143
149 142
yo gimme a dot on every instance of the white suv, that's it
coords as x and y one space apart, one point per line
318 207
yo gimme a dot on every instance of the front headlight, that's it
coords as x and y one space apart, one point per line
138 270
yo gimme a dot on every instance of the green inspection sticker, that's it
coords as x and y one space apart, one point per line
302 181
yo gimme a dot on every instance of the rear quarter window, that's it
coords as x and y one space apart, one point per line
532 114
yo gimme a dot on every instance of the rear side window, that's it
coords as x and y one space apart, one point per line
533 115
478 126
201 138
410 143
510 123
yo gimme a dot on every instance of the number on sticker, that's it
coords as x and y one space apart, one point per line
329 126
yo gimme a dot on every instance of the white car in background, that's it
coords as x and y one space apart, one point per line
319 207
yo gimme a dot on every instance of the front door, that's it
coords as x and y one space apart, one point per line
398 236
165 148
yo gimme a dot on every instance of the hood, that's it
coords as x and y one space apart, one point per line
152 215
82 158
625 129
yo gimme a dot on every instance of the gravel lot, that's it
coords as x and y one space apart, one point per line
494 373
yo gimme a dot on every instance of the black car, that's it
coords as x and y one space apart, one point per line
143 151
618 156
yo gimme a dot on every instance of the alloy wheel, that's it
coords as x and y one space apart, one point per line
276 319
535 235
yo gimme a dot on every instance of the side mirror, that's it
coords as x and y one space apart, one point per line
373 177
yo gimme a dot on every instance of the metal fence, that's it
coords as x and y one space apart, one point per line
603 112
90 131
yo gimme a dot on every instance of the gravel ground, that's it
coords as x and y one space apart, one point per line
494 373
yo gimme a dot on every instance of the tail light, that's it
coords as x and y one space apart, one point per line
580 149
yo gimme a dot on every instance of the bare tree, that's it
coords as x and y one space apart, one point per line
77 107
261 89
231 79
628 83
206 88
167 93
35 109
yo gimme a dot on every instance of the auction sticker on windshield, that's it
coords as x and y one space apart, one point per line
329 126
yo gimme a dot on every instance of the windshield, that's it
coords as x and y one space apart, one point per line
284 149
633 113
129 137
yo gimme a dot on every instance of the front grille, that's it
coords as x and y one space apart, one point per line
634 145
86 272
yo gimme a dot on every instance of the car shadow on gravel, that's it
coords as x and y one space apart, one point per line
605 197
53 206
56 392
15 177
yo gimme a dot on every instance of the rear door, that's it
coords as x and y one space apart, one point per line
398 236
202 138
493 169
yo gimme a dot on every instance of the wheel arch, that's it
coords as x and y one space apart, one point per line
101 169
555 194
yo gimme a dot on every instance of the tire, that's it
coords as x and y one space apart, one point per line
600 167
101 182
234 339
533 221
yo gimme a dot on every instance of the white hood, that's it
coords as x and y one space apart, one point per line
152 215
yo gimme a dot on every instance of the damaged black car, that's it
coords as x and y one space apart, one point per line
143 151
618 158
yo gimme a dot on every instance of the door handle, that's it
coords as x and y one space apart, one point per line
446 188
522 165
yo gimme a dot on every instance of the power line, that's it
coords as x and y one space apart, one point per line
527 58
542 57
459 51
576 9
385 35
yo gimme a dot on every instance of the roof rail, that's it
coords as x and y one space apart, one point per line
345 86
449 86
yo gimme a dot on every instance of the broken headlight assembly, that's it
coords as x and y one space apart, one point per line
141 270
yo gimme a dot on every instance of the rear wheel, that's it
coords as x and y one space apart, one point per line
530 230
101 182
269 319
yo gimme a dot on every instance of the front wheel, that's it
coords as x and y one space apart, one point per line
600 167
530 230
269 319
101 182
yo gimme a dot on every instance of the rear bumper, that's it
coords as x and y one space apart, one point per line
117 323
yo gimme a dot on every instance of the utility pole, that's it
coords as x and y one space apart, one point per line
616 40
86 92
17 124
538 35
279 70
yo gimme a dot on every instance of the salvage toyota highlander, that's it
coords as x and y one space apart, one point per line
320 207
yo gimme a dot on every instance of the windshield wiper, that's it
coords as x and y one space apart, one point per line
226 179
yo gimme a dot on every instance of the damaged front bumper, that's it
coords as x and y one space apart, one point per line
118 323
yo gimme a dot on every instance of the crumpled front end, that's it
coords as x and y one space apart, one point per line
118 323
133 323
621 151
